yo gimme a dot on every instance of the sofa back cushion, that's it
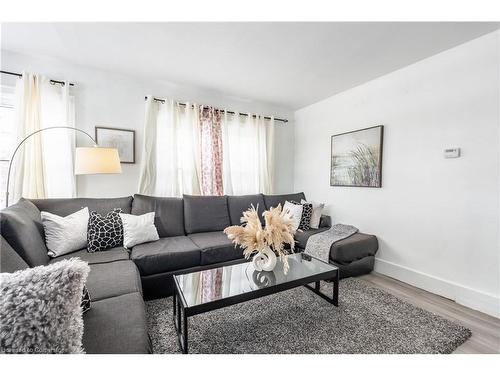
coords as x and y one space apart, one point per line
205 214
10 261
169 213
274 200
239 203
22 227
67 206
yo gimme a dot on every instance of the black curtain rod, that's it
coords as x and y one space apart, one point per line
223 110
20 75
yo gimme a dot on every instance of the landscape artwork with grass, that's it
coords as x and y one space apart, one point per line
356 158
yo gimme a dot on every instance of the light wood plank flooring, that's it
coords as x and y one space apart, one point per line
485 329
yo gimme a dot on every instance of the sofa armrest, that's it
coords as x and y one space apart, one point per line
325 221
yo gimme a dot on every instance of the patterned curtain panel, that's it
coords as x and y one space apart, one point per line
211 151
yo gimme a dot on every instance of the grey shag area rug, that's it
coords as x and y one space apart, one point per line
368 320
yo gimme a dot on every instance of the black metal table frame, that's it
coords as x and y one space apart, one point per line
182 311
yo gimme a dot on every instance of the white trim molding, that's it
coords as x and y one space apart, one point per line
461 294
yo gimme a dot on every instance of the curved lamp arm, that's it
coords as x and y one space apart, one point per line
24 140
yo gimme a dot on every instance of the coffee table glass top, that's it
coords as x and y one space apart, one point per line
218 283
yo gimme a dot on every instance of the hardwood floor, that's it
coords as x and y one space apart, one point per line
485 329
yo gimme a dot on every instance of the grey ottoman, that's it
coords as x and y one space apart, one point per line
354 255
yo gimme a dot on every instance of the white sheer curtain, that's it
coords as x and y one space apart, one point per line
171 159
171 149
44 164
248 154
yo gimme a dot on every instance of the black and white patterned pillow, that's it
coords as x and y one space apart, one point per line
85 300
305 220
104 232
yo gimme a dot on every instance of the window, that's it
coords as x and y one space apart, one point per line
7 136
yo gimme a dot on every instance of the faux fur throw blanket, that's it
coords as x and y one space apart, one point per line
319 244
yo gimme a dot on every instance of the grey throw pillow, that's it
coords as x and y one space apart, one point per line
40 308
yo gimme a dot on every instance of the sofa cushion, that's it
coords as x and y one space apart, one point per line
65 234
355 247
301 236
169 213
110 255
274 200
117 325
215 247
205 214
113 279
166 254
22 228
67 206
238 204
10 261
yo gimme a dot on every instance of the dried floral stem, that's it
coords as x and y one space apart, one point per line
252 237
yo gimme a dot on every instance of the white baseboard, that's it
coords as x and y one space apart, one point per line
475 299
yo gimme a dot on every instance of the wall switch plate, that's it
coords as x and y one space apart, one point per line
452 153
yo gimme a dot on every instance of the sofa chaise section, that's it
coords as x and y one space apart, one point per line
302 236
355 255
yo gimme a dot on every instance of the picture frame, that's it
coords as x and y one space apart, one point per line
121 139
356 158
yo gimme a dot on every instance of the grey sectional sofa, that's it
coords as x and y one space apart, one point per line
116 323
191 238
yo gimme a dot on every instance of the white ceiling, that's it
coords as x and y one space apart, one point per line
289 64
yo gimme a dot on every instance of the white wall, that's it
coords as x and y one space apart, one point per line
108 99
437 219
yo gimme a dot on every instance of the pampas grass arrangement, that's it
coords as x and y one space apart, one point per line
253 238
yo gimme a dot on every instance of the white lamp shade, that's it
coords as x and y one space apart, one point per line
97 160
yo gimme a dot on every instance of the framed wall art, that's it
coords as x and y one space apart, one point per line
121 139
356 158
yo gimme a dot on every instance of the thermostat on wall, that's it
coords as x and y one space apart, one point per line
452 153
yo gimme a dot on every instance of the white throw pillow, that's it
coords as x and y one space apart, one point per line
294 211
316 214
64 235
138 229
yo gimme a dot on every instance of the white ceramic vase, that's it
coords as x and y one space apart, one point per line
264 260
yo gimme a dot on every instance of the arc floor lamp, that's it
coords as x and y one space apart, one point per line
88 160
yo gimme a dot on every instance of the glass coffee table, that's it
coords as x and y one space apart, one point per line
215 288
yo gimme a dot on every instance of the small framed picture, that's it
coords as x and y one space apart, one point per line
121 139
